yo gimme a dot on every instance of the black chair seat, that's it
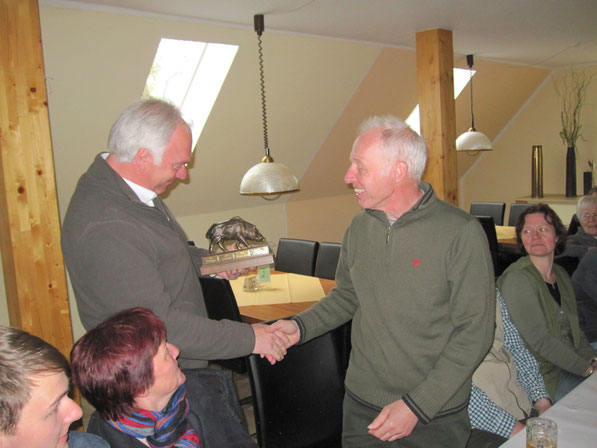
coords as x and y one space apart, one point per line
515 210
298 402
494 209
221 304
327 260
296 256
574 225
489 229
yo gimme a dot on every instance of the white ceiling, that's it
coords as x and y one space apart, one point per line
547 33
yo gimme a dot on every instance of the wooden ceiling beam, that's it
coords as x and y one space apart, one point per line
435 87
34 275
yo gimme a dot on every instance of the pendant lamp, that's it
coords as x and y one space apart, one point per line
268 178
472 140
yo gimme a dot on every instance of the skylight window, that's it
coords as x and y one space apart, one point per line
461 79
190 75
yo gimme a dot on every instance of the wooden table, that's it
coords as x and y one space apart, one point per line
507 238
254 314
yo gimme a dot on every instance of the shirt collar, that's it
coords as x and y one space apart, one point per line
145 195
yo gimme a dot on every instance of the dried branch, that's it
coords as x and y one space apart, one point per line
571 86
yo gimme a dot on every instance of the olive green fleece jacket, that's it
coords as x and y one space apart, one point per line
421 295
536 315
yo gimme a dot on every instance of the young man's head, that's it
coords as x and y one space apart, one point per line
35 410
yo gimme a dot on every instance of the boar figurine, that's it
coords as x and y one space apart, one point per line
235 229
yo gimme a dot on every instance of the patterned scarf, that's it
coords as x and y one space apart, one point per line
168 428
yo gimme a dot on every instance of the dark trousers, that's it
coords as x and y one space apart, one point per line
451 431
484 439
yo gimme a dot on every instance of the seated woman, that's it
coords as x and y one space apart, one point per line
585 237
540 298
128 371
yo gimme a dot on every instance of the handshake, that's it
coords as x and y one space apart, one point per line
272 341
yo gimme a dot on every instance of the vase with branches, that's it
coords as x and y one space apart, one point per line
571 87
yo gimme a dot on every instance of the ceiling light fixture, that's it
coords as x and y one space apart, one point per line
472 140
268 178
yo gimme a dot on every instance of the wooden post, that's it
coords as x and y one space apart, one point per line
34 274
435 86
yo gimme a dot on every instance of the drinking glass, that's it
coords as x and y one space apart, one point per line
542 433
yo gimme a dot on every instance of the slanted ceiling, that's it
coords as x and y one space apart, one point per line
318 91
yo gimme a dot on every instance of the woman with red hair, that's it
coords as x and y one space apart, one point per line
128 371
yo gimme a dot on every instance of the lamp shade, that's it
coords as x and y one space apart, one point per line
473 141
268 177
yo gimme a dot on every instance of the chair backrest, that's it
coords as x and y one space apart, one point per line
489 228
298 402
515 210
568 263
296 256
574 225
221 304
494 209
327 260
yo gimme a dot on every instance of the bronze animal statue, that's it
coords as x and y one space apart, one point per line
235 229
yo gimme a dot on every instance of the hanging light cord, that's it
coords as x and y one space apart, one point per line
262 84
469 60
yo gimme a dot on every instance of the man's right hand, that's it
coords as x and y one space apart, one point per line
289 328
269 344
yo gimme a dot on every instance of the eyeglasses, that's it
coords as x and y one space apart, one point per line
589 215
540 230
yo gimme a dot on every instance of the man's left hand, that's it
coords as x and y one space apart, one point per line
395 421
233 274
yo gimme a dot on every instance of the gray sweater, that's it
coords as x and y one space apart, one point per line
122 253
421 296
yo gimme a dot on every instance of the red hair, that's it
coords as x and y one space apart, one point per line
113 363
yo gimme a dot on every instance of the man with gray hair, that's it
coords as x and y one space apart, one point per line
123 247
35 409
585 237
416 278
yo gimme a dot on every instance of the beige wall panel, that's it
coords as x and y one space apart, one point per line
505 173
321 219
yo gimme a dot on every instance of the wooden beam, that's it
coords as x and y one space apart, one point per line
435 86
34 273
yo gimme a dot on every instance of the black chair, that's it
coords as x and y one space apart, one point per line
298 402
574 225
221 304
327 260
515 210
296 256
568 263
494 209
489 228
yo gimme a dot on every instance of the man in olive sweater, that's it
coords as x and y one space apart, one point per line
416 278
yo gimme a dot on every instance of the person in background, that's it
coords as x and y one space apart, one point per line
123 248
35 409
541 302
585 237
507 387
416 278
128 371
584 281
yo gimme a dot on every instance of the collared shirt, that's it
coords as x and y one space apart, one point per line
483 412
145 195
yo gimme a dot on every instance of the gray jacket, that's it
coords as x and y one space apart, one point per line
578 244
122 253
